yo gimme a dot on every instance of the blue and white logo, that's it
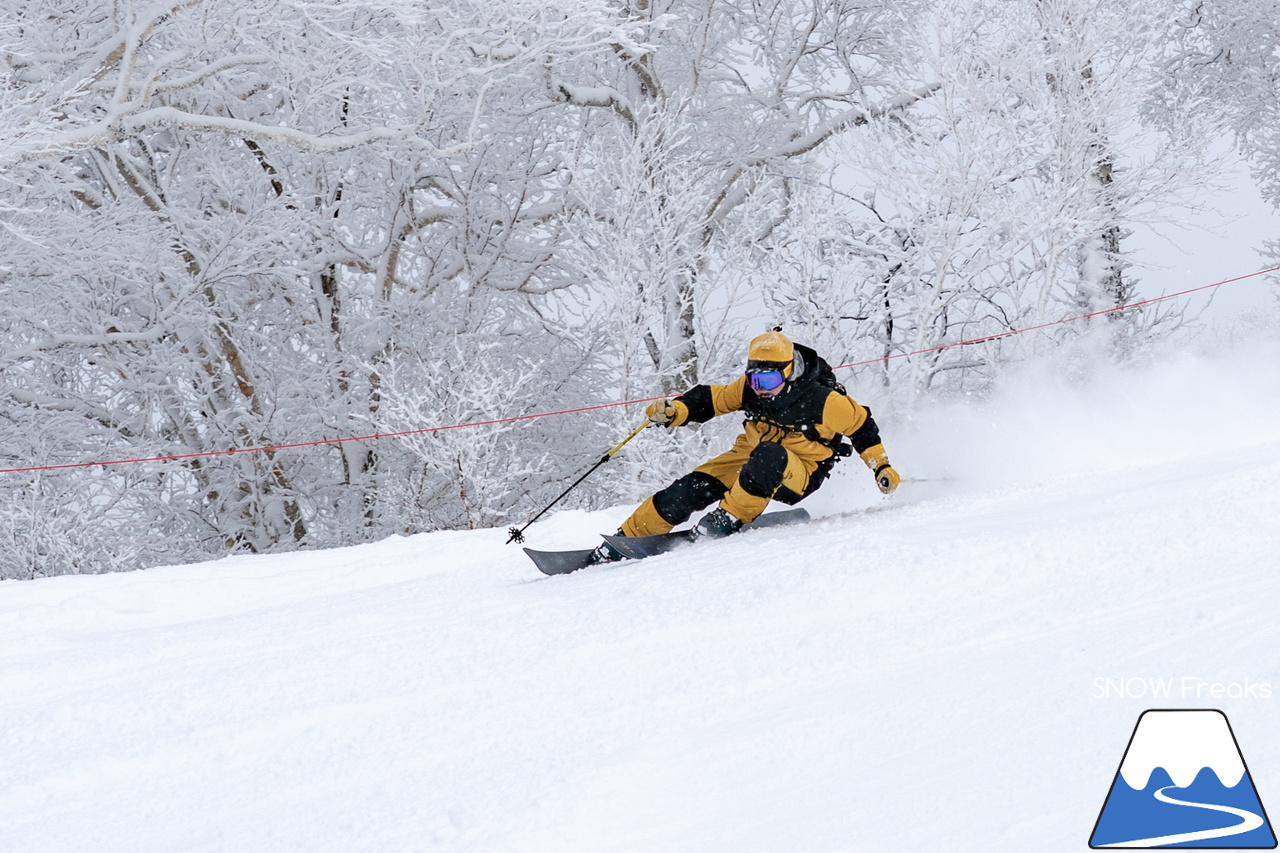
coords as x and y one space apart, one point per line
1183 783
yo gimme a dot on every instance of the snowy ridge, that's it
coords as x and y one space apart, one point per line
1183 743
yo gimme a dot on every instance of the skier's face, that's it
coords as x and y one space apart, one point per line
766 383
772 392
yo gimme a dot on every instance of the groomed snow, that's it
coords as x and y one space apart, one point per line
901 675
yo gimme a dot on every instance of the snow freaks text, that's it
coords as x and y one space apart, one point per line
1178 687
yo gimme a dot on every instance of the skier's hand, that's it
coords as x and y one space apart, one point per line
887 479
877 460
667 413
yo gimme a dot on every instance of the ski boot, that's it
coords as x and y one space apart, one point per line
717 524
606 553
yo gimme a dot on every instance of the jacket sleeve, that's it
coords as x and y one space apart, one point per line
708 401
845 415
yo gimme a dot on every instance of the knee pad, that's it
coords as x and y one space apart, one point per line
817 478
762 475
690 493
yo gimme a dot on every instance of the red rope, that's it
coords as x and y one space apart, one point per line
380 435
1049 325
272 447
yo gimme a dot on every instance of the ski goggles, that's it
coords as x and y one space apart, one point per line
765 380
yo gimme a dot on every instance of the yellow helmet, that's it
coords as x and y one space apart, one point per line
771 348
770 360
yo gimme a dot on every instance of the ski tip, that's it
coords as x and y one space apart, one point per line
560 562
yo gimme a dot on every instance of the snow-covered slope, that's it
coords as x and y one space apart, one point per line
920 673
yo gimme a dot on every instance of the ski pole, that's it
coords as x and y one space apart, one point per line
517 533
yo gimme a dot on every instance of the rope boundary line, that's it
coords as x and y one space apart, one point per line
267 448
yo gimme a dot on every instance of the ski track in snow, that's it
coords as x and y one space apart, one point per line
911 674
1248 822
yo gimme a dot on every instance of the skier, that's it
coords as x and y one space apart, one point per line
799 422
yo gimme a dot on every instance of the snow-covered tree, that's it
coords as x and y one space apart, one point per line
224 231
1226 53
723 103
244 221
1002 202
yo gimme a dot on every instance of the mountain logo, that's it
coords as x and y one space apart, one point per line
1183 783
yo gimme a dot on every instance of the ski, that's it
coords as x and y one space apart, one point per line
560 562
639 547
